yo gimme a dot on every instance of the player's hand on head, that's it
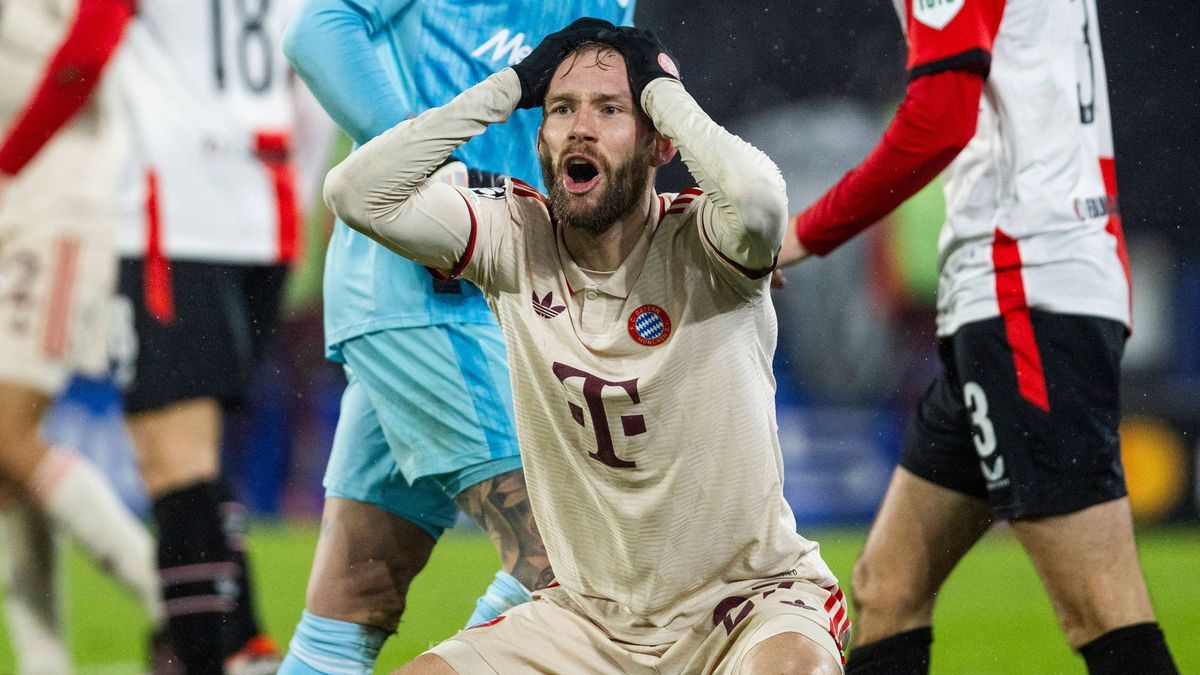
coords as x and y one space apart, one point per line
646 57
535 70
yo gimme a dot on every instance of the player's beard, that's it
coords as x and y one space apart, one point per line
623 186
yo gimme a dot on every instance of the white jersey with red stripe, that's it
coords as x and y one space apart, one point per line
211 94
1031 217
74 173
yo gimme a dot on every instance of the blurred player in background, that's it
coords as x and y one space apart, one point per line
202 274
640 332
426 419
1033 312
60 149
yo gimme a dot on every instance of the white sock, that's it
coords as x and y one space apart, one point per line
80 500
31 592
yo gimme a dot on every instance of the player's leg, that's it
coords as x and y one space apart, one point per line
426 664
500 504
52 321
1067 499
1088 564
176 448
932 514
32 603
921 532
548 635
376 534
789 653
447 414
493 493
784 624
193 358
245 642
365 560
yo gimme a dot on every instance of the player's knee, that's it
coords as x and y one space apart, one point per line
879 590
427 664
789 653
1096 611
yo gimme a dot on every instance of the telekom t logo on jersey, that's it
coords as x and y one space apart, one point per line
593 396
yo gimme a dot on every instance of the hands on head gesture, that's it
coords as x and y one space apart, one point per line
535 70
646 58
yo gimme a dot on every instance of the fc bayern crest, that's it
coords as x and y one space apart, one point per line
649 325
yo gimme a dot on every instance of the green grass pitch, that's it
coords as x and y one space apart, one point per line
993 617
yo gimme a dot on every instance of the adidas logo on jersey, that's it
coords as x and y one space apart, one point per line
545 307
504 45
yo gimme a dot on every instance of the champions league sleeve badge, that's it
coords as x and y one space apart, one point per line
649 325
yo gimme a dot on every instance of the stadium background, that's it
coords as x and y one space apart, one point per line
812 84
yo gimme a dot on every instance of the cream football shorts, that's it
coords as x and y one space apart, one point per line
552 635
56 289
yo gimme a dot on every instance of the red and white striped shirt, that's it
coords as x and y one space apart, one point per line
1029 178
1031 214
211 96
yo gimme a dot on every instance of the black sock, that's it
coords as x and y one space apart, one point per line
900 654
241 625
196 575
1139 648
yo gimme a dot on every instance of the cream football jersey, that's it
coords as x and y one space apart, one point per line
646 412
1031 215
212 102
81 159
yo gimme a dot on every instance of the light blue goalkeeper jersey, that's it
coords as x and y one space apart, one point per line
374 63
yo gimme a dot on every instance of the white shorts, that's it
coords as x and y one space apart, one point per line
552 635
56 287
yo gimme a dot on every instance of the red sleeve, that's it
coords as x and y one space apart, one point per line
933 124
70 77
951 34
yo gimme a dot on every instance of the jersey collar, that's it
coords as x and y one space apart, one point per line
623 278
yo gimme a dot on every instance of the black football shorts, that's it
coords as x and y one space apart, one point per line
1024 415
197 332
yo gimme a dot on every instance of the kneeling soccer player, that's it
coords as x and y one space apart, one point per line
640 335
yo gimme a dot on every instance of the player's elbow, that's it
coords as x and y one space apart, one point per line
343 199
763 209
958 136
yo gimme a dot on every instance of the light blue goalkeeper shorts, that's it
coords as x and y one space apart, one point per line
427 413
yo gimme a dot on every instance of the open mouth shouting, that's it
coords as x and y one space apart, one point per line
580 174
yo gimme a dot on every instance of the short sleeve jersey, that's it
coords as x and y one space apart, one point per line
645 410
76 171
1031 218
209 93
430 51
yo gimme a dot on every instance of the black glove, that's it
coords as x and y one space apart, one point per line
535 70
646 58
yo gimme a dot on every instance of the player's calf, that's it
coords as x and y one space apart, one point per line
198 575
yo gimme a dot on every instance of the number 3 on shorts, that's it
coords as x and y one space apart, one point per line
982 432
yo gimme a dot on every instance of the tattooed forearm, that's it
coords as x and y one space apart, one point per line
501 506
